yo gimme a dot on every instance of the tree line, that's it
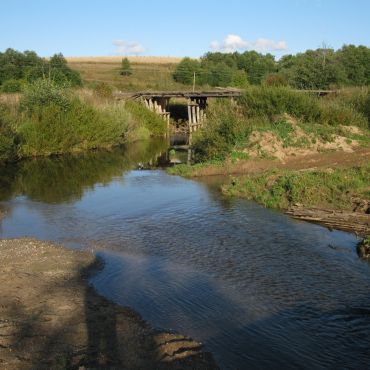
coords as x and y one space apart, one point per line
322 68
19 68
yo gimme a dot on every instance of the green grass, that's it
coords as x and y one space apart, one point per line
187 170
142 116
279 189
50 119
278 110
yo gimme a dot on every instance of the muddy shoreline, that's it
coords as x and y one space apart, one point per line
51 318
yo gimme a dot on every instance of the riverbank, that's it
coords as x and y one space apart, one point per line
52 319
335 183
47 119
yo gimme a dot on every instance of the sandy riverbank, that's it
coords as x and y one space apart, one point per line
50 318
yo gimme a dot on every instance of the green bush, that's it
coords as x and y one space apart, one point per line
225 129
55 121
42 93
8 145
54 130
335 113
144 117
271 101
12 86
103 90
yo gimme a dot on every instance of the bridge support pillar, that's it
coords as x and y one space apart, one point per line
196 113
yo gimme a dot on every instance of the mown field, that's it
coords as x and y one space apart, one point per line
154 73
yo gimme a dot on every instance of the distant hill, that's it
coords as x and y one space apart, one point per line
117 59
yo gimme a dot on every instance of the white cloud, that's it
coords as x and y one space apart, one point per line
265 45
233 43
128 48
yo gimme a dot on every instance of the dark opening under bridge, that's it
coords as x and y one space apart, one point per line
158 102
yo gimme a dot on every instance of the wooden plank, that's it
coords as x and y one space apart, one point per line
342 220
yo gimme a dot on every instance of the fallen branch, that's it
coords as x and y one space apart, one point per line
355 222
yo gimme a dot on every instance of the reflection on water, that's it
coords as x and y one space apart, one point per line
66 178
260 289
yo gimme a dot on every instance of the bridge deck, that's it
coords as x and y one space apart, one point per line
179 94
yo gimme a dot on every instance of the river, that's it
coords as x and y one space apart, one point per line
261 290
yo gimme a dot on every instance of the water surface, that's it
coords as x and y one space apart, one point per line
258 288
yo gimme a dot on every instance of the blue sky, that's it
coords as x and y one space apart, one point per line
180 28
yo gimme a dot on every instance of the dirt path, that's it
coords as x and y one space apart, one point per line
313 161
51 319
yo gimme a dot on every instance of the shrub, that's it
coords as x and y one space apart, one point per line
42 93
225 128
275 79
53 130
335 113
8 146
103 90
12 86
144 117
270 101
55 121
125 67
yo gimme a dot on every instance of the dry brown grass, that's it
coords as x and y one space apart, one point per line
148 73
117 59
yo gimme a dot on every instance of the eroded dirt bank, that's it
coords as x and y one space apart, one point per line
307 162
50 318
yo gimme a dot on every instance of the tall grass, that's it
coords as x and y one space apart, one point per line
268 108
144 117
225 128
49 119
330 188
55 121
8 140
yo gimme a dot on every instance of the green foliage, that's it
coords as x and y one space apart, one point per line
334 113
185 70
314 69
144 117
256 65
103 90
61 74
275 79
224 130
330 188
322 68
240 79
12 86
222 69
54 121
41 94
125 67
271 101
52 129
276 109
28 66
7 136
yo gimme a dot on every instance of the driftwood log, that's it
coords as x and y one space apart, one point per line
355 222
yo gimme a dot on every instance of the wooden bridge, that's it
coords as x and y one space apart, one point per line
158 102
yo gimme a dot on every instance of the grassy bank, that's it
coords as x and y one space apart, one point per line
329 188
292 119
49 119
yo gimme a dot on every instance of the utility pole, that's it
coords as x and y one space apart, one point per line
194 81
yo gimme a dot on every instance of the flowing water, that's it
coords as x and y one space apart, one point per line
258 288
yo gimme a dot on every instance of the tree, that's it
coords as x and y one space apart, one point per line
125 68
185 70
28 66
